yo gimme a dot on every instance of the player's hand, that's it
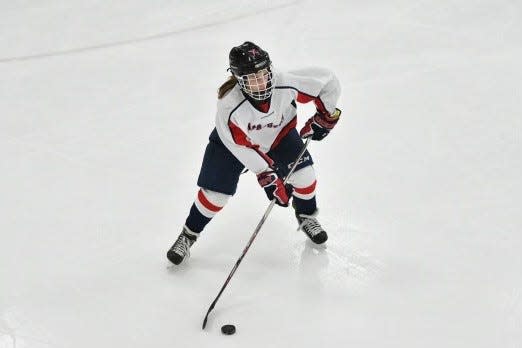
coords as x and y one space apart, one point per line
274 188
319 125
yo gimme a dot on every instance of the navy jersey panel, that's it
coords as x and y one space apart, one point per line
285 153
220 169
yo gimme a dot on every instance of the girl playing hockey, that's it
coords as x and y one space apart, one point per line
256 128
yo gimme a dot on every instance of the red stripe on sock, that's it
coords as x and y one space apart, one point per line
206 203
306 190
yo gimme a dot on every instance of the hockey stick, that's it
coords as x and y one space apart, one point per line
256 231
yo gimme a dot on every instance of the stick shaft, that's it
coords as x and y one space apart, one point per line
256 231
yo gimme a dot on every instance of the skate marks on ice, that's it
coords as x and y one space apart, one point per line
198 282
7 334
345 260
11 335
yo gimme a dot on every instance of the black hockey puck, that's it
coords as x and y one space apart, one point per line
228 329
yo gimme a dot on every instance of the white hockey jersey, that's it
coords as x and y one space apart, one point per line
249 133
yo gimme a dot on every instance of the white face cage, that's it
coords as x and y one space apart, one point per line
257 85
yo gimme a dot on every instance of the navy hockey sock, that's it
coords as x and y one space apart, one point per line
196 221
304 206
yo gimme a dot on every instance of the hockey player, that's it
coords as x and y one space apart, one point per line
256 128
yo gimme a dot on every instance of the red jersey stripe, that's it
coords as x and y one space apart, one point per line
240 138
286 129
238 135
305 98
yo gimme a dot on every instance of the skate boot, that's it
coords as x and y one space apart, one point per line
180 250
311 227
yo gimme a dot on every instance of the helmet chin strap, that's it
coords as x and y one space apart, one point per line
256 101
259 96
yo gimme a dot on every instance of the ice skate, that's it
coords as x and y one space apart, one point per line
180 250
311 227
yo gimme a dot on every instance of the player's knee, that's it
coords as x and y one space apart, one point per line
216 198
304 182
210 202
303 177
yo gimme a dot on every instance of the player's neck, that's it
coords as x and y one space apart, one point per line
261 105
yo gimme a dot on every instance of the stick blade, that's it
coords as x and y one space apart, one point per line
205 321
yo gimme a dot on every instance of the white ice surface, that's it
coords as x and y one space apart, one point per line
105 110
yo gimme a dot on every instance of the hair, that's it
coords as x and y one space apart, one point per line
226 86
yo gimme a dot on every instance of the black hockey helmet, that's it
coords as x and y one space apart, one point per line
248 58
252 69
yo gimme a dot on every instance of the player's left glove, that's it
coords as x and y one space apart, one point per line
319 125
274 188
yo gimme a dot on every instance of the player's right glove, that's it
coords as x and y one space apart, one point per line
274 187
319 125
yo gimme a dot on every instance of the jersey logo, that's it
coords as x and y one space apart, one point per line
252 127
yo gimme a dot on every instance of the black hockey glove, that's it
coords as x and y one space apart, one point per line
319 125
274 187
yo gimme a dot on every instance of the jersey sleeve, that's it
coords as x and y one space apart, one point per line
315 84
235 139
